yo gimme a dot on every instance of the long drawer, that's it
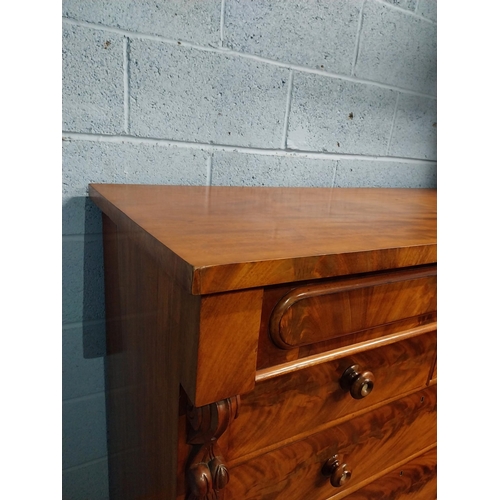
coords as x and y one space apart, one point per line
298 403
303 320
363 446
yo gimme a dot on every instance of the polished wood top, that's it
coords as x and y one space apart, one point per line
224 238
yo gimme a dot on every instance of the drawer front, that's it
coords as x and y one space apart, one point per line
416 480
301 402
368 444
321 312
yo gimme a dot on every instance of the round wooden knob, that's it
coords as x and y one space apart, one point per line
358 383
339 472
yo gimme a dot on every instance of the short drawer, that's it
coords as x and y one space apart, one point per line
333 310
367 445
288 406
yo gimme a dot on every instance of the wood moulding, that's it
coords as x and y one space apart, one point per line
317 359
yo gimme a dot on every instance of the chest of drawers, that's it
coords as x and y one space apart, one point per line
270 343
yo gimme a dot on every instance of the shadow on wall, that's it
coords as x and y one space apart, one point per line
93 336
84 448
83 273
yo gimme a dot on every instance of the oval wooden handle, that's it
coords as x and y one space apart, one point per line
339 473
358 383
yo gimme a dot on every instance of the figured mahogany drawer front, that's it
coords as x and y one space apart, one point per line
321 312
295 404
369 445
415 480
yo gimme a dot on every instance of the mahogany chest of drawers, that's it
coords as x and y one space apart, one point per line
270 343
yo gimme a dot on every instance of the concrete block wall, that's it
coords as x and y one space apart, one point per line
224 92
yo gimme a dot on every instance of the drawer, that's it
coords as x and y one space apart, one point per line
370 445
415 480
292 405
336 309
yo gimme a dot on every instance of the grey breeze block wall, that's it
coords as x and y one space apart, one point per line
224 92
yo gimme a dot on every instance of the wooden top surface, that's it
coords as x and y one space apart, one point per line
226 238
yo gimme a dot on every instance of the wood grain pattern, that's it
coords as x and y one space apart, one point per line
370 443
341 352
320 312
226 238
415 480
282 408
270 355
192 276
227 345
142 367
155 342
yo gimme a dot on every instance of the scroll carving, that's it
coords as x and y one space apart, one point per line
207 474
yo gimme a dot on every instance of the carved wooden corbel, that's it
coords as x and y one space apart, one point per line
207 474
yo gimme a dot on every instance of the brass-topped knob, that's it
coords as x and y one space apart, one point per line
358 383
339 473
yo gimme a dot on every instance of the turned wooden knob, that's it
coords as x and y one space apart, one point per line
339 473
358 383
